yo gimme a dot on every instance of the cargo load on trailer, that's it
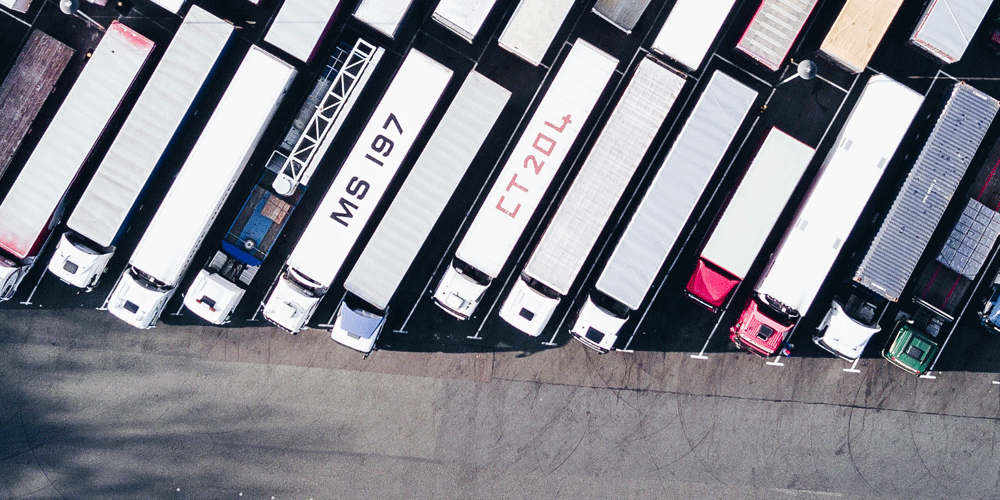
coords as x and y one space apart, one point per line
857 32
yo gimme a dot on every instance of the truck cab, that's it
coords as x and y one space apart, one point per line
764 325
989 316
710 285
75 263
212 297
461 288
294 299
599 322
910 348
138 299
850 324
529 305
357 324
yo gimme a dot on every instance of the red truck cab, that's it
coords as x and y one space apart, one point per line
763 326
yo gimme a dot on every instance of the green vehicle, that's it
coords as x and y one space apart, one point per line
910 348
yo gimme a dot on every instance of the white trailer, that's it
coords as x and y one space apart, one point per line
382 15
16 5
854 36
530 168
827 216
463 17
663 211
300 25
413 212
590 200
690 29
215 163
83 252
623 14
34 204
173 6
359 185
532 28
946 27
773 30
747 221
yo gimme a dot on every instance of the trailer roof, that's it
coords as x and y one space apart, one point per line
383 15
150 126
427 189
621 13
66 144
532 27
605 173
840 192
299 25
690 29
856 33
171 5
214 164
929 187
773 30
676 189
947 26
464 17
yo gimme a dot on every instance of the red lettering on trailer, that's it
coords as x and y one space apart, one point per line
512 213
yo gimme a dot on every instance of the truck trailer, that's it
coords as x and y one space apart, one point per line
591 198
98 220
532 27
773 30
946 27
959 127
350 201
382 15
412 214
748 219
826 217
622 14
36 200
201 187
300 25
690 29
462 17
856 33
529 169
663 211
218 287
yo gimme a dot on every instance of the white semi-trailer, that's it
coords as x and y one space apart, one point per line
463 17
35 202
383 15
773 30
623 14
540 150
663 211
690 29
946 27
215 163
174 6
300 25
96 223
412 214
590 200
359 185
532 28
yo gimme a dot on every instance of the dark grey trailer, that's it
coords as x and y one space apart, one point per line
621 13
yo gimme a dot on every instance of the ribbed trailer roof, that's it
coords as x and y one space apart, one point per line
26 88
605 173
464 17
532 27
427 189
676 189
150 126
690 29
928 189
856 33
383 15
947 26
773 30
214 164
94 98
299 25
621 13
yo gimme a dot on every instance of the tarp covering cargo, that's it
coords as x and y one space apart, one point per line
856 33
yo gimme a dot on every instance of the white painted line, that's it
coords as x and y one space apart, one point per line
853 368
775 362
32 294
842 89
996 382
928 376
329 322
255 313
698 356
625 350
180 308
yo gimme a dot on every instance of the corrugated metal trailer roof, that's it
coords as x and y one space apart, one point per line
621 13
150 126
299 25
676 189
426 191
773 29
928 189
946 27
532 27
27 86
383 15
74 130
464 17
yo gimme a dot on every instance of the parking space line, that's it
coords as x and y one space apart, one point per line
180 307
834 85
22 21
255 313
996 382
32 294
736 66
776 362
853 368
402 328
329 323
715 327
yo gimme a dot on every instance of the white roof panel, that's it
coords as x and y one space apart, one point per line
464 17
621 13
383 15
947 26
533 26
299 25
171 5
690 29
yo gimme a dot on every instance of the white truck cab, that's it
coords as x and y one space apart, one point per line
843 335
138 301
76 263
597 327
461 288
357 324
212 297
528 308
293 301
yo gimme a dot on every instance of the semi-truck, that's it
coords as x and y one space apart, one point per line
532 27
690 29
591 198
462 17
173 6
959 127
665 207
946 27
382 15
219 286
412 214
537 155
773 30
16 5
35 203
857 31
28 85
622 14
84 250
216 161
847 179
748 219
300 25
356 190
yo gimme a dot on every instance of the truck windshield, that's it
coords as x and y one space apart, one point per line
472 273
777 311
304 282
609 305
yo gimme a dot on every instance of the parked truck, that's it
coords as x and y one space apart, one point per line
856 33
663 211
84 250
622 14
16 5
591 198
462 17
959 127
826 217
218 287
532 27
28 85
412 214
946 27
773 30
34 205
356 190
746 222
382 15
172 6
690 29
201 187
300 25
529 169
